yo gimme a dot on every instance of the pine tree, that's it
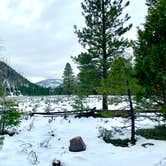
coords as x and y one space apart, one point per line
121 71
9 115
150 52
102 37
121 82
68 80
89 80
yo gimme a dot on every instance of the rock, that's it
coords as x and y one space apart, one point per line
77 144
56 163
10 132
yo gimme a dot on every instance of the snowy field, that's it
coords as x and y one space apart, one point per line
40 140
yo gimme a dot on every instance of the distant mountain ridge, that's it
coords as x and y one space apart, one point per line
50 83
16 84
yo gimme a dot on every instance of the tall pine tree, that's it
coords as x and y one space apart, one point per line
102 37
150 52
68 80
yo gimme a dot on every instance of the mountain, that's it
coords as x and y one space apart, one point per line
50 83
15 83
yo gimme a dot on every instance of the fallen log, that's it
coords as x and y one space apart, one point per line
91 112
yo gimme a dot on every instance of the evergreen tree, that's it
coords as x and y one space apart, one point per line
88 80
68 80
150 53
121 71
102 37
9 115
121 82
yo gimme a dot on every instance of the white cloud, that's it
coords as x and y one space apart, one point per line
39 35
35 79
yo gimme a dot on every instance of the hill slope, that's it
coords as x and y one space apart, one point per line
52 83
15 83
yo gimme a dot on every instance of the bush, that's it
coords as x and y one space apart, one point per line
158 133
107 136
120 142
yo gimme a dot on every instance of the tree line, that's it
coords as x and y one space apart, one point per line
105 68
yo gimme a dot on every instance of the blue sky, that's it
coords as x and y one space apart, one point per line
38 35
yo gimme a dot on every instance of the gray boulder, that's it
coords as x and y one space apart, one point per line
77 144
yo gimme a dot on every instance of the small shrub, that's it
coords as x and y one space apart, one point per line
120 142
10 103
107 136
79 104
48 108
158 133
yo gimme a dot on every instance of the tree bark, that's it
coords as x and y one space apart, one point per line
104 52
104 103
132 115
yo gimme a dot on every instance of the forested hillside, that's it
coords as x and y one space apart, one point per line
16 84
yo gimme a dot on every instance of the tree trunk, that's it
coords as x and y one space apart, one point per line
105 103
132 115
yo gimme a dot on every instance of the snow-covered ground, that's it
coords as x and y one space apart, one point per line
40 139
62 103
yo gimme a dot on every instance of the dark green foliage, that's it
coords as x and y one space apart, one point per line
2 91
68 80
121 71
89 80
9 116
34 90
103 41
107 136
1 140
121 82
150 53
163 111
106 114
116 113
8 103
119 142
158 133
58 90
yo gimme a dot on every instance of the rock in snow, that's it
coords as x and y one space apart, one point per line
77 144
56 163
